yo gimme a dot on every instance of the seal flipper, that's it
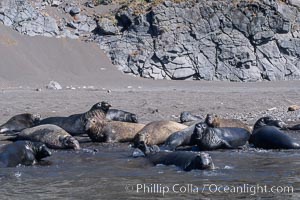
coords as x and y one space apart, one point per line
172 145
12 137
226 145
138 153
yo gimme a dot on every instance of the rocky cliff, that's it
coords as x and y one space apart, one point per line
196 39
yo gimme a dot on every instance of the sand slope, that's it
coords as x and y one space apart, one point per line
32 61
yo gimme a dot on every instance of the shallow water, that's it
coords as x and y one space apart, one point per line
103 171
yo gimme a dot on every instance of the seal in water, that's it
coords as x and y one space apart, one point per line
266 135
111 131
51 135
20 122
208 138
216 122
75 124
120 115
22 152
186 160
157 132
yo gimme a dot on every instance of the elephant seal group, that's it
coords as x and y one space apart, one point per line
20 122
22 152
34 136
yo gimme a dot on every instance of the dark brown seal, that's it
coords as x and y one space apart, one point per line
111 131
157 132
20 122
75 124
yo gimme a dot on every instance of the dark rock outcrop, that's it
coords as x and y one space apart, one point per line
32 18
209 40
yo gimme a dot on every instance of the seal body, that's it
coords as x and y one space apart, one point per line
112 131
270 137
180 138
120 115
51 135
266 135
185 160
208 138
216 122
22 152
157 132
269 121
75 124
20 122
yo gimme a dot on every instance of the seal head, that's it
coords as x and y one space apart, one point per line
71 143
103 105
269 121
188 117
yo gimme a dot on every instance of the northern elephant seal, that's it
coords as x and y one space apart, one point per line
75 124
111 131
269 121
22 152
266 135
20 122
216 122
121 115
188 118
51 135
157 132
208 138
185 160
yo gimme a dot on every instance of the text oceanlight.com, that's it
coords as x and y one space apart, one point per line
207 188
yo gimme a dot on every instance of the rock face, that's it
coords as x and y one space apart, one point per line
35 18
210 40
21 16
240 40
